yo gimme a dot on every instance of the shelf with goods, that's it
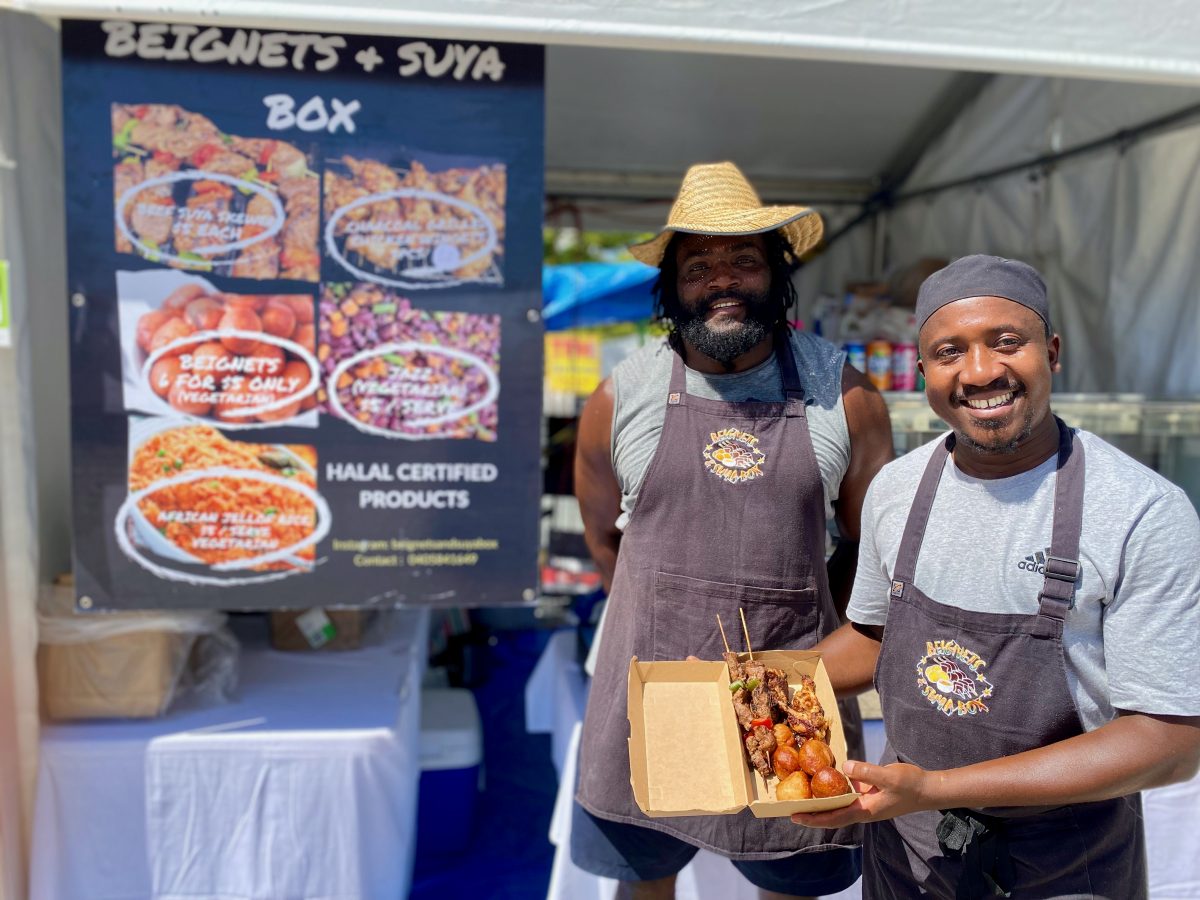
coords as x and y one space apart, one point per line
1163 434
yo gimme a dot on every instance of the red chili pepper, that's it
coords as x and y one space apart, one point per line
162 156
264 155
140 111
204 154
764 722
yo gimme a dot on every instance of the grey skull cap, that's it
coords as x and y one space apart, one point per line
983 276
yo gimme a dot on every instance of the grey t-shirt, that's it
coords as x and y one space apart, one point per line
640 407
1130 639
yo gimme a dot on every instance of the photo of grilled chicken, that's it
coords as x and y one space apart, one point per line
406 237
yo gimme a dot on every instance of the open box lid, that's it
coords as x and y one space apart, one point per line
681 748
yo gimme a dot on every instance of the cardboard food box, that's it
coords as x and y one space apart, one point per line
685 745
122 675
318 629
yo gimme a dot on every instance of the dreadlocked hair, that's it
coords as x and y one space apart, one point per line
780 260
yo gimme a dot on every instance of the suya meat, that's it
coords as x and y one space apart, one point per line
758 748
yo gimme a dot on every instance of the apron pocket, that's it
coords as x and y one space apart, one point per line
684 614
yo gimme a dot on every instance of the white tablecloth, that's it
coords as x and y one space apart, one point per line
305 787
554 701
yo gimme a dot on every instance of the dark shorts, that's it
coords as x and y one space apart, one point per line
632 853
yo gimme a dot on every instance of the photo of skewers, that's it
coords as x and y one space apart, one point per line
190 196
785 730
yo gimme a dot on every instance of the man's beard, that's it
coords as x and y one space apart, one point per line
998 447
726 344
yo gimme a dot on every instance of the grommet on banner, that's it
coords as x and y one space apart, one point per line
534 315
85 602
529 594
78 300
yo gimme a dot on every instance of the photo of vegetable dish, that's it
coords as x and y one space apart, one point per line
243 207
414 227
446 391
218 520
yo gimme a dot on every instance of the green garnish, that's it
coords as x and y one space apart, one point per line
380 308
736 686
162 453
124 136
249 175
289 472
167 468
179 463
196 260
394 359
752 684
226 140
270 511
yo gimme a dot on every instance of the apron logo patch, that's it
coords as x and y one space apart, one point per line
897 588
733 456
951 678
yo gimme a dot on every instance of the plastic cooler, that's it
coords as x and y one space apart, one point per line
451 756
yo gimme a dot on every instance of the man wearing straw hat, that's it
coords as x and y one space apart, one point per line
707 467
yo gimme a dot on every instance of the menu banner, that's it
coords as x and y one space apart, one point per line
305 297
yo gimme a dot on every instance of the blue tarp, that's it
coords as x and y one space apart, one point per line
582 294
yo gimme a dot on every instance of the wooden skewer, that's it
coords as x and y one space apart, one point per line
746 631
724 639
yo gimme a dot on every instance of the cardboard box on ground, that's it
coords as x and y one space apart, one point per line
685 745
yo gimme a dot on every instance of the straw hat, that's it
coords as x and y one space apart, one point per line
717 199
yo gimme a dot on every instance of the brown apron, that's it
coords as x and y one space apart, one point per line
731 514
960 687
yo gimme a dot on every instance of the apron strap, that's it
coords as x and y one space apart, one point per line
1057 595
678 386
793 391
1062 565
918 517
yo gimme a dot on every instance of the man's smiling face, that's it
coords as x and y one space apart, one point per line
723 285
987 363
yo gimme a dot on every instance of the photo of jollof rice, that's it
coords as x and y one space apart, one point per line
229 518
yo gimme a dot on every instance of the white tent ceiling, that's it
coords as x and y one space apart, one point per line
818 100
650 113
1154 40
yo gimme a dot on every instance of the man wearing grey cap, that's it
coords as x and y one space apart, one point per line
1028 598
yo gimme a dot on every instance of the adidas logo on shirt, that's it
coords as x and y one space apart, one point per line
1035 563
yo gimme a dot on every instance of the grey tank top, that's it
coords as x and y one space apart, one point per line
640 396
